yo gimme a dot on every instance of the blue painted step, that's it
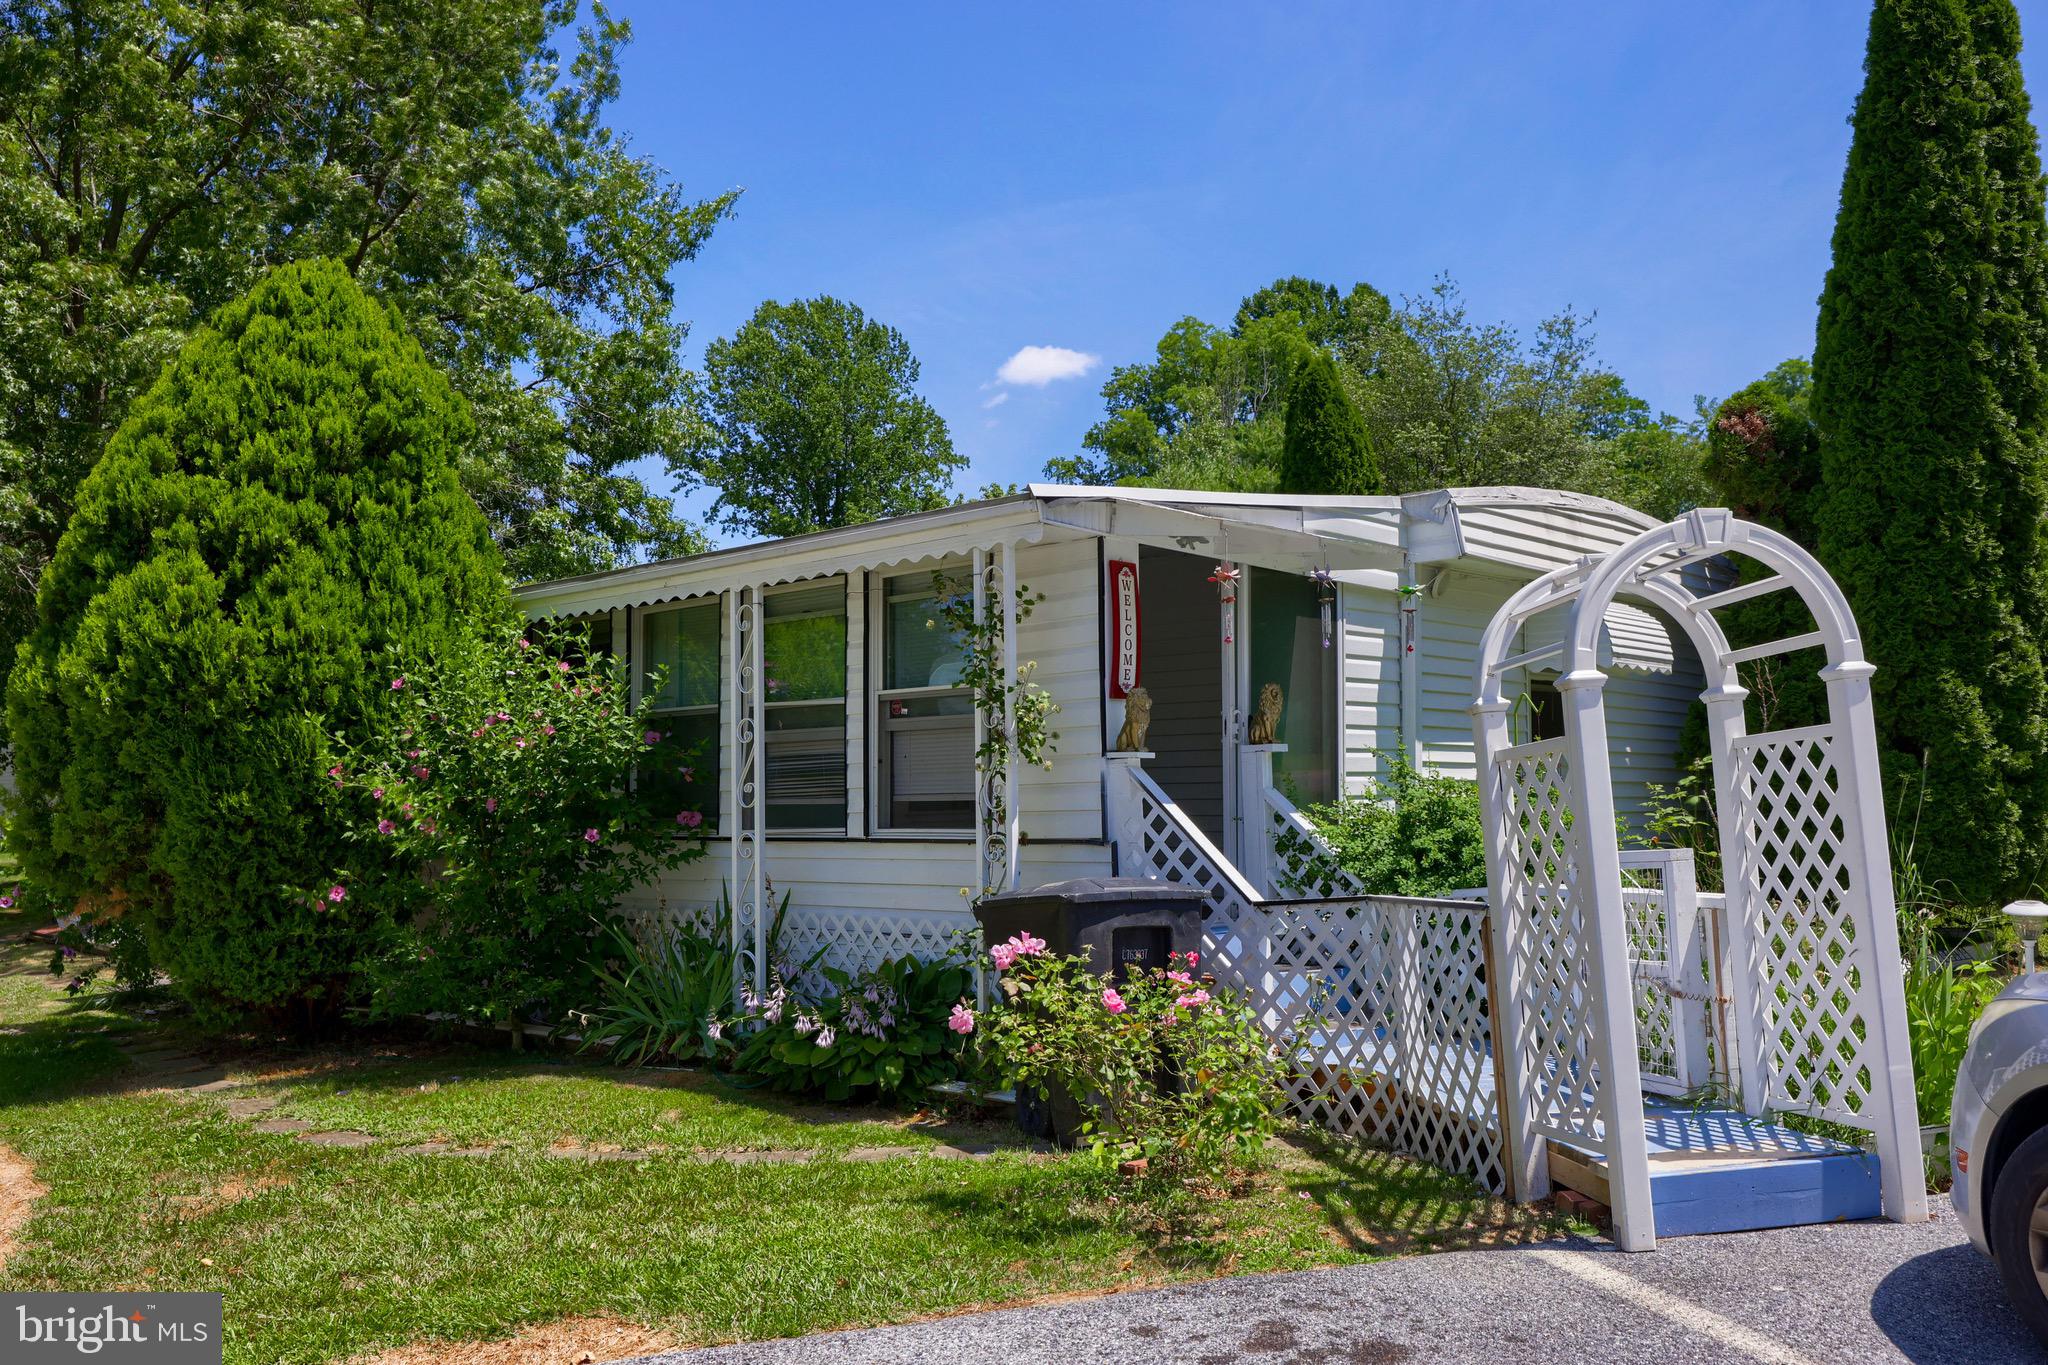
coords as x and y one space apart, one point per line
1719 1170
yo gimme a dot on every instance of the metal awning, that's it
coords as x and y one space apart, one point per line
1295 536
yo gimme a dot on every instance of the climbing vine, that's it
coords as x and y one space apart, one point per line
1014 714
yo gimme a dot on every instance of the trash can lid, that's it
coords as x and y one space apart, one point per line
1080 890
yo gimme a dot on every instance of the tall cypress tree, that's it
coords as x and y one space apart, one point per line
1325 448
1928 392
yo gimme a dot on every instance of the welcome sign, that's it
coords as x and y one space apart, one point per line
1123 630
160 1329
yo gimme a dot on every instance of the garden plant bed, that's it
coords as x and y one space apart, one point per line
697 1209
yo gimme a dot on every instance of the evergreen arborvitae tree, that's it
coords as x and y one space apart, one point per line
277 510
1928 391
1325 449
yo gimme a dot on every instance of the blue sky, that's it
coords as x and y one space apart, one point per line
987 178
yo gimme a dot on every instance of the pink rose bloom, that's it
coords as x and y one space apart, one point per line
1003 954
1027 946
689 819
961 1021
519 744
386 827
563 666
6 902
1111 1001
337 893
420 773
1181 977
398 684
1193 958
476 734
547 729
589 836
526 644
376 793
334 771
1192 1000
491 804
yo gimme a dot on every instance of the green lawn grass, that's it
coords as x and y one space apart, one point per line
323 1253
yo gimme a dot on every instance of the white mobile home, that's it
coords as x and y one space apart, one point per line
853 789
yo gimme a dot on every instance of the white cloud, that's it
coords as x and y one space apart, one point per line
998 399
1041 365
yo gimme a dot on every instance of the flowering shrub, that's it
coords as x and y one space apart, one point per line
890 1030
1170 1069
499 793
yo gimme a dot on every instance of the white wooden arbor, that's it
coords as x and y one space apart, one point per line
1810 963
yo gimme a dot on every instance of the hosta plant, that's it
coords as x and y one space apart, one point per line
884 1032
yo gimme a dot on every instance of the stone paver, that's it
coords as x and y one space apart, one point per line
342 1137
598 1154
283 1126
249 1106
442 1149
769 1158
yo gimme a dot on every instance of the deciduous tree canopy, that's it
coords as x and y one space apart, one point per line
817 423
156 158
1444 399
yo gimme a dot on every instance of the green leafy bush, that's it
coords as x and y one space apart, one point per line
1407 834
1943 1000
497 810
887 1031
277 510
1170 1069
664 993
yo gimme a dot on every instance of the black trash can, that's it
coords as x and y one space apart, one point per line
1120 924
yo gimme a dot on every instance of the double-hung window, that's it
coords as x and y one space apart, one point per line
681 677
924 723
803 654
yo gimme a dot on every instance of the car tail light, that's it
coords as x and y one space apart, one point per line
1962 1161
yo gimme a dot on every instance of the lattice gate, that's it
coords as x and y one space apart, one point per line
1595 991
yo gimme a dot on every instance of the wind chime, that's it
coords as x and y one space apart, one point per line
1326 598
1224 576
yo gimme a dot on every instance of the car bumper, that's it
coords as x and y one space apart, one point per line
1969 1140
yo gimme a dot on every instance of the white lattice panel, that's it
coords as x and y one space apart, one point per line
1651 980
1303 864
856 939
1172 849
1805 962
1550 936
1380 1007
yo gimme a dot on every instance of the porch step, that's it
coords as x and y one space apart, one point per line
1719 1170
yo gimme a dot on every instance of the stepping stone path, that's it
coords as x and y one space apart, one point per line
188 1076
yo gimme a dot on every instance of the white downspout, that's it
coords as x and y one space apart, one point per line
1409 602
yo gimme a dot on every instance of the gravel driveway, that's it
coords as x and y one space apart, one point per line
1860 1292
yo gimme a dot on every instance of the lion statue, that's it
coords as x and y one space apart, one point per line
1137 720
1265 728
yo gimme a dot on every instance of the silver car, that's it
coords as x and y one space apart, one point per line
1998 1143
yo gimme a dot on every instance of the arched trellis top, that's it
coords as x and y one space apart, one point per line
1810 960
1652 569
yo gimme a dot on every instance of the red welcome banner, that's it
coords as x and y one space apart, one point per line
1123 630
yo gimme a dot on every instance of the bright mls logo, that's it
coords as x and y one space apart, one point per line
164 1329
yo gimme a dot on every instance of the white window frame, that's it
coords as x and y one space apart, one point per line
843 701
879 696
636 681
